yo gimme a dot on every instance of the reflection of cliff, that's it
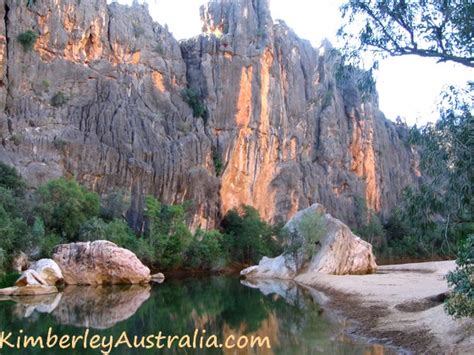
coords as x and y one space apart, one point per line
87 307
287 134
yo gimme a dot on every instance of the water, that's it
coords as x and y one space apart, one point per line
288 315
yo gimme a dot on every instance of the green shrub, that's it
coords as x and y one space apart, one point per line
64 206
205 250
218 165
192 98
247 238
461 302
48 243
114 206
303 242
167 234
17 138
59 99
28 39
60 144
11 180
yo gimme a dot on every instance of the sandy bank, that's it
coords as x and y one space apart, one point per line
401 304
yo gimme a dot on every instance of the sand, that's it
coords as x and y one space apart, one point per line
400 304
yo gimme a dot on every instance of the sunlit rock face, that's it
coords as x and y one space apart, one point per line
338 252
99 97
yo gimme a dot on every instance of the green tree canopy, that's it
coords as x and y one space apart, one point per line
440 29
64 206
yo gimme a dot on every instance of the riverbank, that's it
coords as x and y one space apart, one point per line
401 305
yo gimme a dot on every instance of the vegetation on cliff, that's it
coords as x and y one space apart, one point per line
62 211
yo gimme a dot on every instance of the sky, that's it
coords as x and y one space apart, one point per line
408 87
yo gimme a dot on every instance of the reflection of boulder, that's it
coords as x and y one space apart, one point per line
339 252
99 307
26 306
99 262
285 288
29 290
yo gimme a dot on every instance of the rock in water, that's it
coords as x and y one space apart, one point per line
30 278
340 252
99 262
48 270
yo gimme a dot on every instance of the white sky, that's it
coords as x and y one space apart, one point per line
408 87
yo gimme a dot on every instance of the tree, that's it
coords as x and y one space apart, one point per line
438 29
247 237
11 180
167 234
64 206
461 302
303 241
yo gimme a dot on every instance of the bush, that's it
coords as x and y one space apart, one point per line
218 166
48 243
304 241
191 97
11 180
247 238
59 99
114 206
461 302
205 250
167 234
27 39
64 206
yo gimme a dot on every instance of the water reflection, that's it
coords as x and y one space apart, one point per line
286 313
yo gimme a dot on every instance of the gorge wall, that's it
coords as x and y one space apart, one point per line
100 97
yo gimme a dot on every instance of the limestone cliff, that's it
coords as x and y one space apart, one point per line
99 97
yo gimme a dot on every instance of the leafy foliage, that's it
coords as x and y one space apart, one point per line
461 302
167 235
11 180
247 237
27 39
429 28
59 99
192 98
205 250
64 206
303 241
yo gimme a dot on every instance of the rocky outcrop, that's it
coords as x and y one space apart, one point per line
99 97
339 252
48 270
99 262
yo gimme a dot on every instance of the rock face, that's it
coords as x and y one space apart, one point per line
99 97
99 262
340 252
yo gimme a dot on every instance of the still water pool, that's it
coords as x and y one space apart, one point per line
222 306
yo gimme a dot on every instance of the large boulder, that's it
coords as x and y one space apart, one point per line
99 262
48 270
338 252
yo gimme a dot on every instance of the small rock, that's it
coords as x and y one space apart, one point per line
158 278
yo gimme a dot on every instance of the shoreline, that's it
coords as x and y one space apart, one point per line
400 306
